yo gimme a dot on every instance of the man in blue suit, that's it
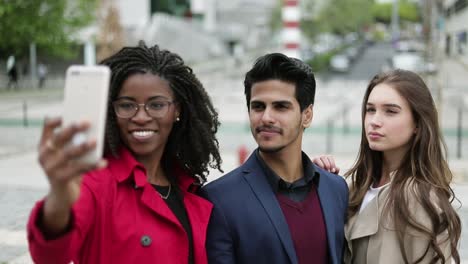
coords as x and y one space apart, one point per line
277 207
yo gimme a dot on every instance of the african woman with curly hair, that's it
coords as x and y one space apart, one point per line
139 204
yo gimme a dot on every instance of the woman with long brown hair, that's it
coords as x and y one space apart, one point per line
400 204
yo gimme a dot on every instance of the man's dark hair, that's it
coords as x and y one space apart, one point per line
192 142
277 66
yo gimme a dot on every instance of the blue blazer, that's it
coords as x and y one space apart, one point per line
247 224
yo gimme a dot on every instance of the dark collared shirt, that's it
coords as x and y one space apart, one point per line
296 191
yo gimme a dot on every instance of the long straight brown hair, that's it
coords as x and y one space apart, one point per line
424 170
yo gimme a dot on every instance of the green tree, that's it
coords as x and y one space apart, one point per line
343 16
407 11
276 22
50 24
337 16
310 22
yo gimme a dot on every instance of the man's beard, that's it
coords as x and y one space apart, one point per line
271 150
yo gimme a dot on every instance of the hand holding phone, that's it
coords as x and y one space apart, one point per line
63 171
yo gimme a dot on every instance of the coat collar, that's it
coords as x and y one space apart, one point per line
275 181
126 167
366 223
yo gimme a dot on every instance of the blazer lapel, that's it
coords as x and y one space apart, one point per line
325 196
255 177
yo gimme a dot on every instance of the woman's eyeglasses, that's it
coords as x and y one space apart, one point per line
155 108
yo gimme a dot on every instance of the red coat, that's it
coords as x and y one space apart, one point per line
118 210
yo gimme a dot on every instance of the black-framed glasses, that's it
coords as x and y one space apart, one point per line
156 108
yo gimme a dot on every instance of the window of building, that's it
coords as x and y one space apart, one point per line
462 43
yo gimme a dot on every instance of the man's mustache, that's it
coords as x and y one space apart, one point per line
268 129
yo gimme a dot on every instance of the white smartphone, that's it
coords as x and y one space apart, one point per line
86 93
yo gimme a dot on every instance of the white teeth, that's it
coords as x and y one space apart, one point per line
145 133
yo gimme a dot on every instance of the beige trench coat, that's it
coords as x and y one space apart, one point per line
373 240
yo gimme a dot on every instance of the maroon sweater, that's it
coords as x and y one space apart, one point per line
307 227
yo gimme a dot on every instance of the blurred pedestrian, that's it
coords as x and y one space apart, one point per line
277 207
12 72
141 207
41 74
400 207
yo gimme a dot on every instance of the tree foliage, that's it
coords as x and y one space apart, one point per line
310 21
275 17
407 11
343 16
50 24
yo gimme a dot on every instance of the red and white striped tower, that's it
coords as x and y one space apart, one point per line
291 33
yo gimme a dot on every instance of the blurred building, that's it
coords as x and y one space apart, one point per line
195 29
456 28
241 24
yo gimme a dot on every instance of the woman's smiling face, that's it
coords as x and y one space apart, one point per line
143 134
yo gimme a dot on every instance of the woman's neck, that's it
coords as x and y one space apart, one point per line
154 169
390 163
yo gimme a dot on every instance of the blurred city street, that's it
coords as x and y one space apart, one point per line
335 130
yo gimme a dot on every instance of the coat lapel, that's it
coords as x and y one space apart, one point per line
366 223
198 211
325 196
255 177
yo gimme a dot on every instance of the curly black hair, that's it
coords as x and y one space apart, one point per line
192 142
277 66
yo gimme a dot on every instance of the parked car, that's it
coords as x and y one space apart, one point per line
409 46
352 52
340 63
410 61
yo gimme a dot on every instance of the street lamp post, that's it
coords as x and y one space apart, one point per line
459 131
395 23
32 63
460 103
428 30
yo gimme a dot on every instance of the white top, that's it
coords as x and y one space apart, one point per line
10 62
371 194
